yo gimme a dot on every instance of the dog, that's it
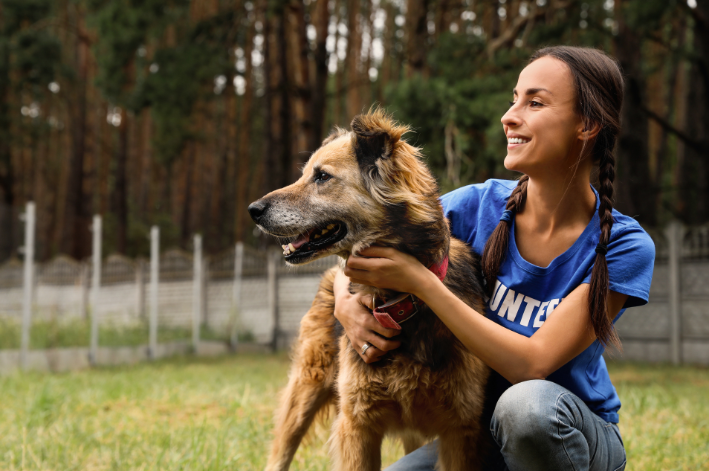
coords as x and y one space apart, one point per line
367 187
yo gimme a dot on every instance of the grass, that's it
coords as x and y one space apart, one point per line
216 414
664 417
52 333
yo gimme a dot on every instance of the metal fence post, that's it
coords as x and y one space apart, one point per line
84 304
140 289
197 291
95 284
236 295
28 283
204 293
154 267
272 257
674 232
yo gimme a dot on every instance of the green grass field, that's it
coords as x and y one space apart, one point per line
216 414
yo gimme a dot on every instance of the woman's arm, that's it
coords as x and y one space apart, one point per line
563 336
359 324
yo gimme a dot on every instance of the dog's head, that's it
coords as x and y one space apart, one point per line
359 188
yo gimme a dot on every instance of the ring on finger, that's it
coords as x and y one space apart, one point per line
365 347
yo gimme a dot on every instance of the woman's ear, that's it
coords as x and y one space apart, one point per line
589 131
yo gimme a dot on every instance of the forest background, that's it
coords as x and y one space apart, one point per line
179 113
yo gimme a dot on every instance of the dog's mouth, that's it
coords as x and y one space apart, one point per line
313 241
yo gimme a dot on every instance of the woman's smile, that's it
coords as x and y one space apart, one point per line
516 140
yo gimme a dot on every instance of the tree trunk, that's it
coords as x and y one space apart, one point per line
244 152
7 175
277 136
120 190
339 74
352 69
303 139
694 187
635 192
389 40
321 20
74 235
417 35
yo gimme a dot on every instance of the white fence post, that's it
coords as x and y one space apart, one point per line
140 289
84 305
28 283
154 267
95 284
674 233
272 257
236 295
197 292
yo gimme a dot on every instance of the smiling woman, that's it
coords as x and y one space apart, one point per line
551 243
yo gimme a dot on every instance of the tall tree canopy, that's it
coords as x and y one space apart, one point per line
180 112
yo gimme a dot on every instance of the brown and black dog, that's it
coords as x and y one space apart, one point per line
362 188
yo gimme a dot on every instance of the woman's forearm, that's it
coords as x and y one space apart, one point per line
507 352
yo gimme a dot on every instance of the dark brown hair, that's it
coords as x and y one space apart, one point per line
599 96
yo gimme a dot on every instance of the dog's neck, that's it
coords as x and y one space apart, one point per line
429 243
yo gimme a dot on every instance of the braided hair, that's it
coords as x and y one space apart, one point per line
599 97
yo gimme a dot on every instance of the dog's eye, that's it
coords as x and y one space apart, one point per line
322 177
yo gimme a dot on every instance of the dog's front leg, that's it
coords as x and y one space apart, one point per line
355 446
311 384
301 402
458 450
356 440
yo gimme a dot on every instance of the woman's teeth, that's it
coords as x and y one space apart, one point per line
517 140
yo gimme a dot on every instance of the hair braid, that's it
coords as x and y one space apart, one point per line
496 245
599 99
598 291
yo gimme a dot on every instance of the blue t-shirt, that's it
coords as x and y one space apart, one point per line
525 294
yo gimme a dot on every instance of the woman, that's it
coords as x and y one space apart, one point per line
550 243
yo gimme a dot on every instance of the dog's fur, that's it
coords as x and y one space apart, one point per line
431 386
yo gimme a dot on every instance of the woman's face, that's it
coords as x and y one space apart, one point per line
542 127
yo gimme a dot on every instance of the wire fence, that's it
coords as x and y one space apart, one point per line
177 302
231 309
116 310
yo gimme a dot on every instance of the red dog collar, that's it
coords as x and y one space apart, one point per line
405 306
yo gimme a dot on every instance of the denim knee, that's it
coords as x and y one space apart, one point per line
524 411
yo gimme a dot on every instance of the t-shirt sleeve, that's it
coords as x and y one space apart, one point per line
460 207
474 211
631 260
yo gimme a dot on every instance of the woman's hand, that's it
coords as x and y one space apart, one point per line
387 268
359 324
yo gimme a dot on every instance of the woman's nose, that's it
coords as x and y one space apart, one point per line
510 118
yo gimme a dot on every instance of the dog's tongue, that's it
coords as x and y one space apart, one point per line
301 240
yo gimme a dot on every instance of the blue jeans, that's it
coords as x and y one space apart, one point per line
540 425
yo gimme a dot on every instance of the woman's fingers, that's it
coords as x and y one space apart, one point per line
382 344
371 323
371 354
377 252
355 262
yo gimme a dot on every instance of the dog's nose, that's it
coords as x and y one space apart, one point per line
256 210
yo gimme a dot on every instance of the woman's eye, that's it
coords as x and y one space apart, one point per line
322 177
512 103
534 104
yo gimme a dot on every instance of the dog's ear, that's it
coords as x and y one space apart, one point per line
371 141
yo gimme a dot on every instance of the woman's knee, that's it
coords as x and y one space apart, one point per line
526 411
